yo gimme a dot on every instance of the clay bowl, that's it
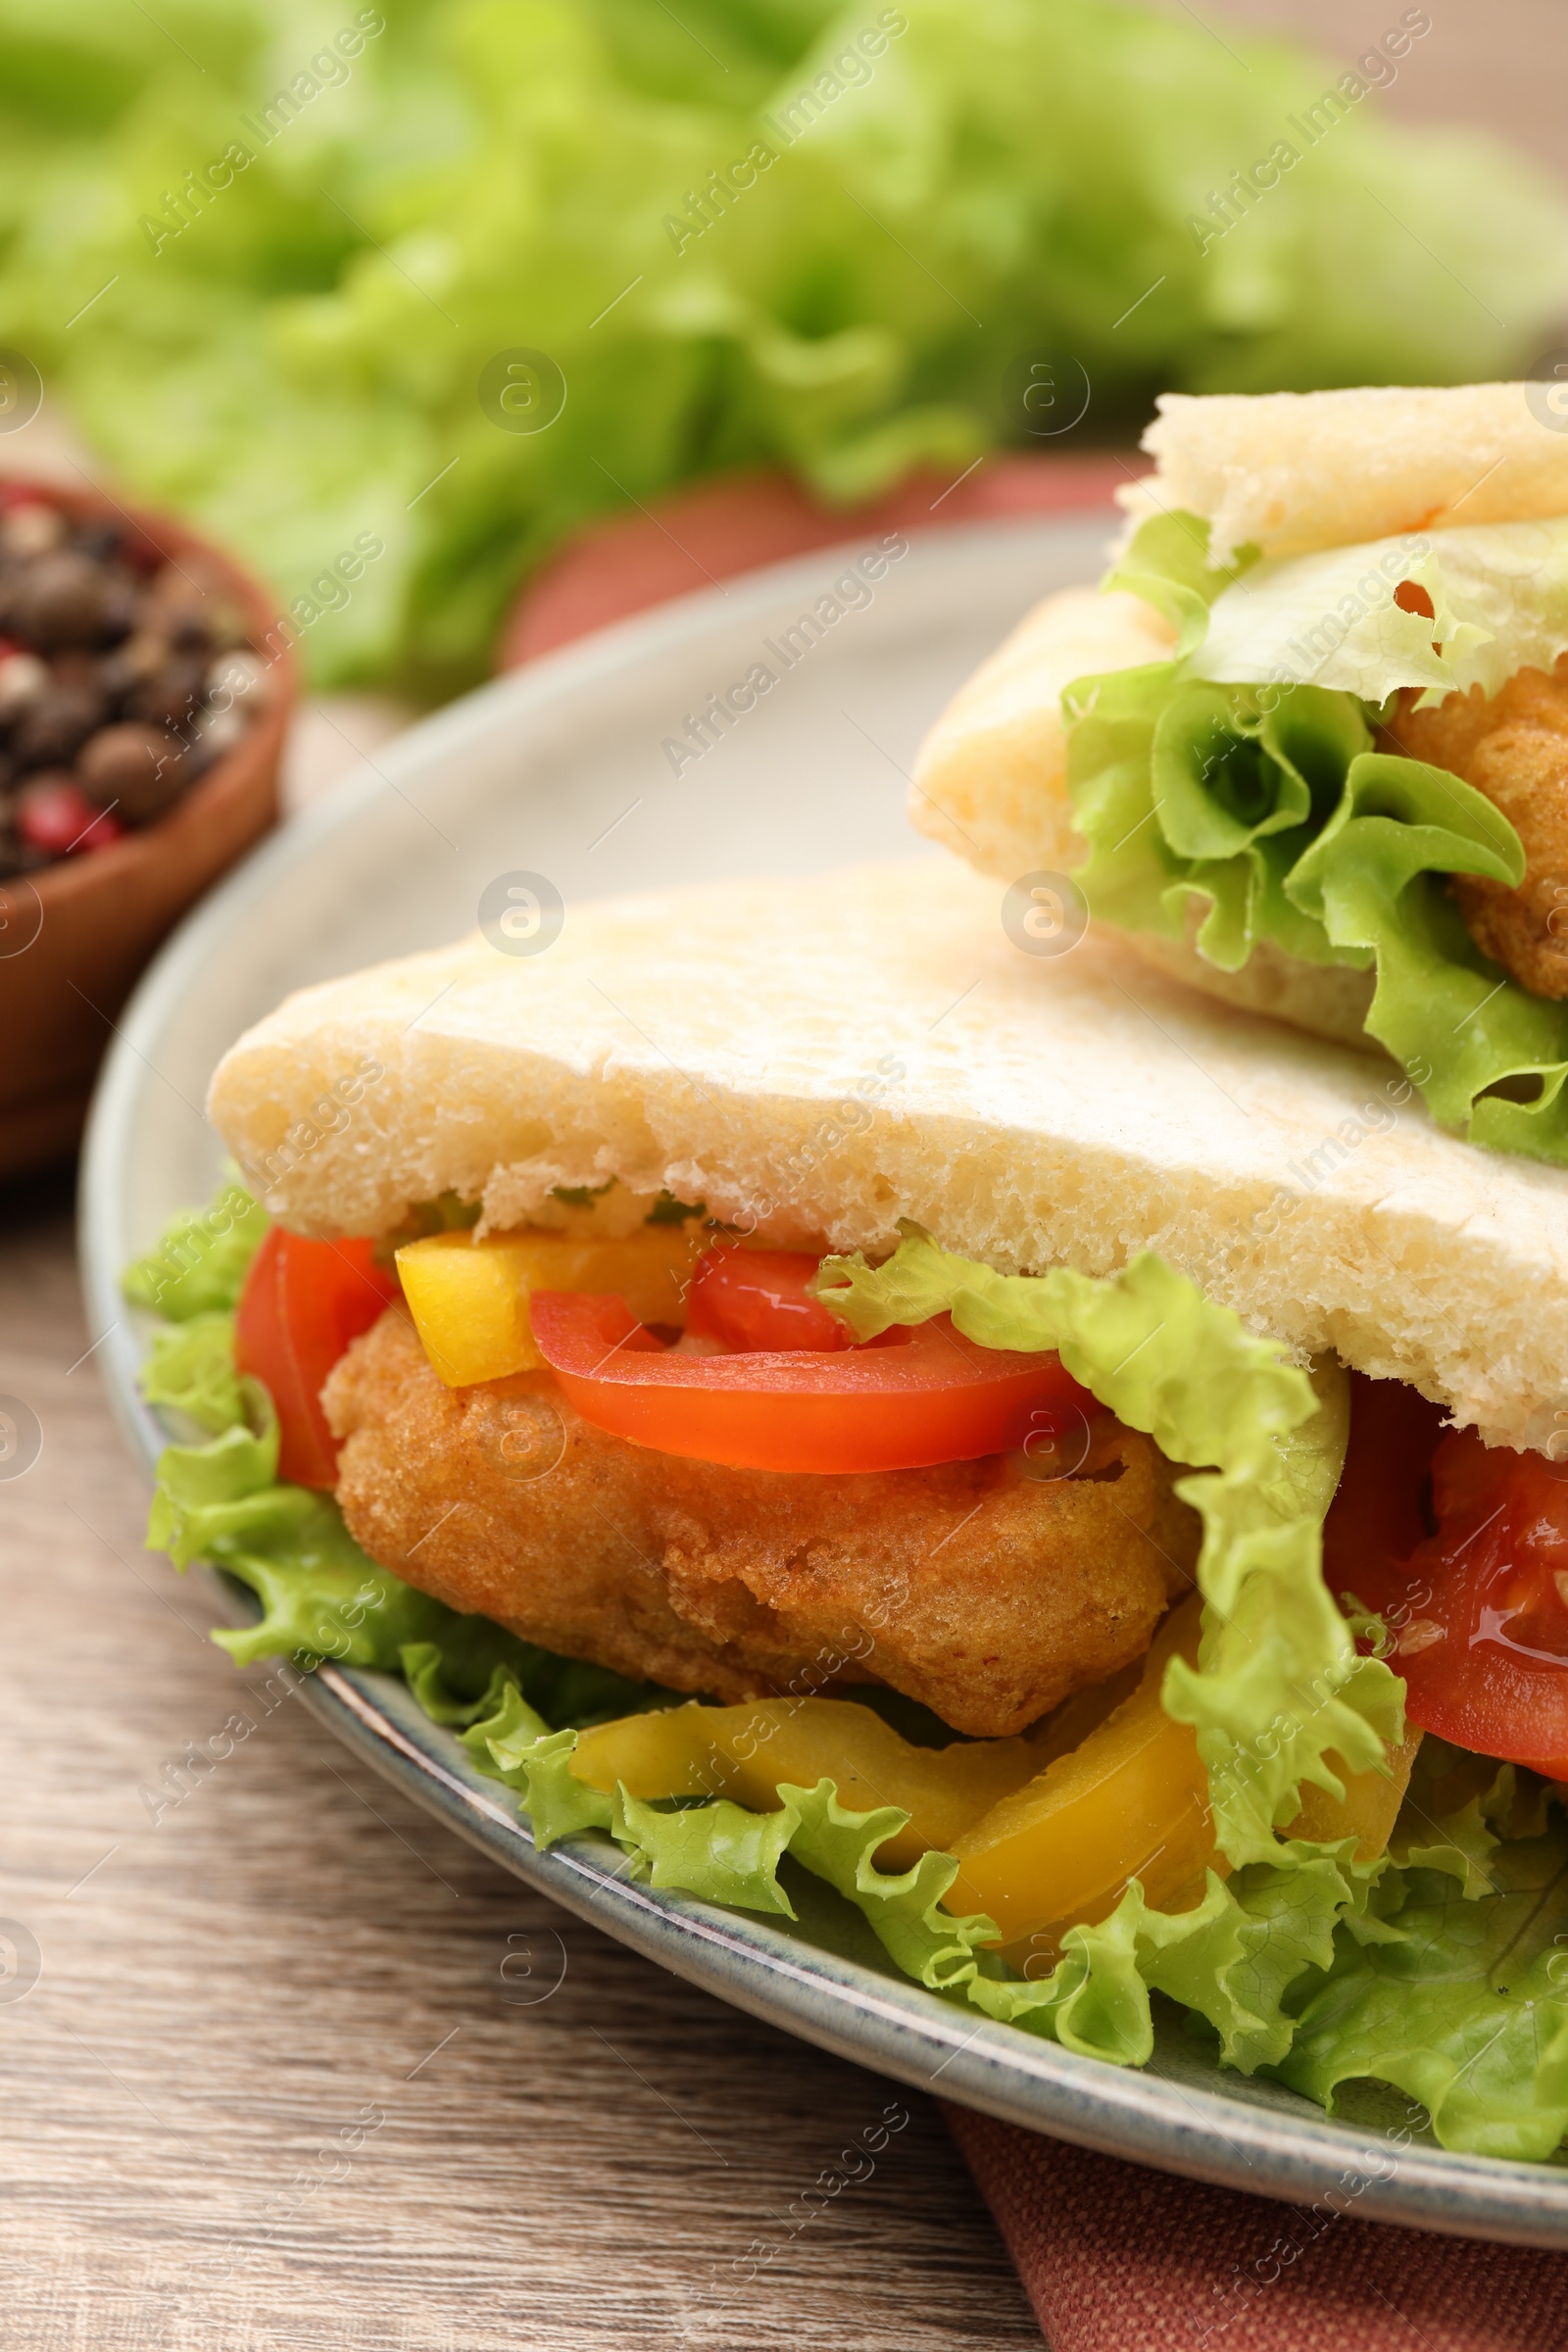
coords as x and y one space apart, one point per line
75 935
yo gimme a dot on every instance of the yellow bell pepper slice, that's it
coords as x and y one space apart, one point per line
1369 1807
1129 1801
1050 1828
744 1753
470 1300
1132 1801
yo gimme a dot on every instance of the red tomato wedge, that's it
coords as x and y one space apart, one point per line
302 1303
1478 1610
759 1298
931 1396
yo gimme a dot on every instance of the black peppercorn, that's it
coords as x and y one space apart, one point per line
137 766
172 694
49 730
65 599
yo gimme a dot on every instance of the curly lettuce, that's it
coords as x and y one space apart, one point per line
1460 1997
191 1369
1279 1686
1499 593
1239 786
275 261
1418 1967
201 1260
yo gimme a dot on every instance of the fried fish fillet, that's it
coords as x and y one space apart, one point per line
1514 749
986 1593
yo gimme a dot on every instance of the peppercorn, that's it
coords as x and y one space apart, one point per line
31 529
172 694
51 728
54 814
65 599
138 766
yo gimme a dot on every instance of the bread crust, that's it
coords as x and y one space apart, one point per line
819 1060
1327 1000
1292 472
991 779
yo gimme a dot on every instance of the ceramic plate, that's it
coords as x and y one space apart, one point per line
561 769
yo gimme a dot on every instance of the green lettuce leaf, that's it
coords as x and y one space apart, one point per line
1260 807
1240 805
1375 880
950 194
1461 1808
1231 1960
1463 2004
320 1594
1130 869
726 1853
903 1907
1316 1968
199 1264
190 1367
425 1668
1499 603
720 1851
1419 1968
1167 563
1278 1685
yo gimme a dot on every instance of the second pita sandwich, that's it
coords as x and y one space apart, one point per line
1309 751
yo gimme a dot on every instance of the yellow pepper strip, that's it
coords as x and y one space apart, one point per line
470 1300
1129 1801
1371 1801
1132 1801
743 1752
1122 1793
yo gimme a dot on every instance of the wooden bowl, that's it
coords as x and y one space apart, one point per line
75 935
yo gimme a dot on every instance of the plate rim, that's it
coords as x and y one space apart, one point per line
890 2024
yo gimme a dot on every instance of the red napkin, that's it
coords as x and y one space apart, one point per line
710 533
1114 2258
1117 2259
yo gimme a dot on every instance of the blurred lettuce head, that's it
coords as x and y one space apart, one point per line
266 255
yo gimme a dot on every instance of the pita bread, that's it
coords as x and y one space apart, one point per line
821 1058
991 785
1292 472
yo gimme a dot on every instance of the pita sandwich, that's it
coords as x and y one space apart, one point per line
847 1381
1308 746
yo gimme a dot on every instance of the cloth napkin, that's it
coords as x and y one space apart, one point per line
1118 2259
1114 2258
708 534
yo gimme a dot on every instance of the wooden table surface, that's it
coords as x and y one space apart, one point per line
280 2081
1497 64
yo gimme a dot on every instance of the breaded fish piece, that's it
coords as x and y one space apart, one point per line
988 1595
1514 749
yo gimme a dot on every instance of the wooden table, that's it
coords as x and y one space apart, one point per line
1494 64
291 1953
232 1981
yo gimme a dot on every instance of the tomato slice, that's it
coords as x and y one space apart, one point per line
1376 1519
929 1396
302 1303
1478 1610
759 1298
